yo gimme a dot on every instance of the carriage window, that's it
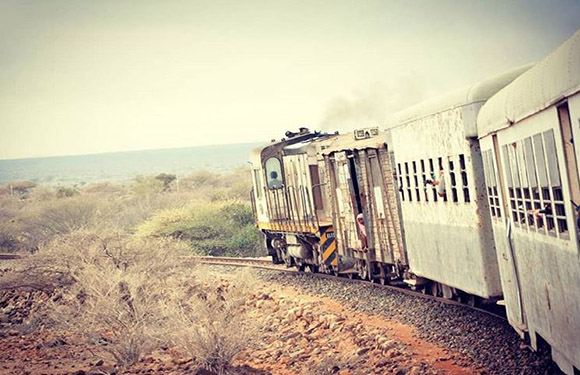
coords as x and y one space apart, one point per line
424 180
506 164
408 182
491 182
433 177
453 180
463 172
553 170
416 180
441 179
525 200
534 191
258 182
554 177
316 188
274 173
540 161
515 191
401 189
536 199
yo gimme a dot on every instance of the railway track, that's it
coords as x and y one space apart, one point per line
492 310
263 263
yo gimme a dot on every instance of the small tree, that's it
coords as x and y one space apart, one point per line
21 188
66 191
213 325
120 289
167 179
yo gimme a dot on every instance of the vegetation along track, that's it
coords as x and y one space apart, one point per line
492 310
263 263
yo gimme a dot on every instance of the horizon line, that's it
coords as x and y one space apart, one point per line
124 151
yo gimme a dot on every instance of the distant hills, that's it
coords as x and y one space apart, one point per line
122 166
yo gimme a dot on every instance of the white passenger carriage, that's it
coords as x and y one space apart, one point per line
448 233
529 134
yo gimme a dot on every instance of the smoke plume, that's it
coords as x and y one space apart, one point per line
371 106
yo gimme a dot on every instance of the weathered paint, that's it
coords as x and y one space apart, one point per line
449 242
548 267
365 163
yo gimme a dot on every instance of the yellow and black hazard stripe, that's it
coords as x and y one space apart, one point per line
287 227
328 246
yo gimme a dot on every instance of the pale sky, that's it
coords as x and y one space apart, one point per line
80 77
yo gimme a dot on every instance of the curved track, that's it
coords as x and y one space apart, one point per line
262 263
494 310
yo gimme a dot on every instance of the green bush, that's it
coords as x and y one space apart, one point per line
216 228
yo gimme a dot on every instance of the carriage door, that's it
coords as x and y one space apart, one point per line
497 166
570 156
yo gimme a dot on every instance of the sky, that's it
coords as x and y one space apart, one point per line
80 77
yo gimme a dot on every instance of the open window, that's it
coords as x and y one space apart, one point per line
534 185
316 187
258 183
274 173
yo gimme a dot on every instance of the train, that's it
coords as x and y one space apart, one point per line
473 195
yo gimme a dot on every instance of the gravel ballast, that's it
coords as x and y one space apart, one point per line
487 340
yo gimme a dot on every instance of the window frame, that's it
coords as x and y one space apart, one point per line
278 170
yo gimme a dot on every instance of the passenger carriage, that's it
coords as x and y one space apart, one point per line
444 204
528 134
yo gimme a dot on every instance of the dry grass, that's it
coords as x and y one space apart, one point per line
118 293
132 294
212 326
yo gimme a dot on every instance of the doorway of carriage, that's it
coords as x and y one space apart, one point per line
571 158
347 206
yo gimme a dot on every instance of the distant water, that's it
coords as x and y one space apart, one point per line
122 166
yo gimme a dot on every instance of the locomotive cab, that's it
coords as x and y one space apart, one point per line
287 199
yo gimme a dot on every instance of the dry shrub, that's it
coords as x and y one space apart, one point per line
106 188
41 222
146 185
213 186
125 293
42 194
9 237
117 293
20 188
213 326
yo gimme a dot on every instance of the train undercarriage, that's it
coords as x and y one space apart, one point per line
302 250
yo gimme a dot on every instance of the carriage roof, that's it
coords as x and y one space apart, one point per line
554 78
475 93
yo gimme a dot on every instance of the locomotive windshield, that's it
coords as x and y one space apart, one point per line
274 173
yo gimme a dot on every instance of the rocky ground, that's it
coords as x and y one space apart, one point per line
307 326
306 334
468 337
